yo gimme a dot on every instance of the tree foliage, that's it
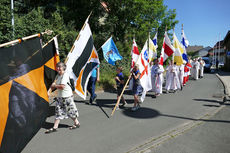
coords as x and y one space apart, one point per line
121 19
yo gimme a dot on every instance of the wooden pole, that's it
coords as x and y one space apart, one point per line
173 55
119 98
49 32
49 41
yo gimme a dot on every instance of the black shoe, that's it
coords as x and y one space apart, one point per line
181 88
94 99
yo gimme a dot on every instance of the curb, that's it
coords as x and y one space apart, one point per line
226 92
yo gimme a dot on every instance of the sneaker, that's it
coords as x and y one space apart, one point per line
166 91
157 95
94 99
134 109
138 106
117 108
124 104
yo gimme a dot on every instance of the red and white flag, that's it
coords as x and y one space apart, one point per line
144 68
135 53
167 49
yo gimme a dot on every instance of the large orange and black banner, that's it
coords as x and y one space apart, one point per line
27 72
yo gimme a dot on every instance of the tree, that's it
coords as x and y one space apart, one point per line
6 30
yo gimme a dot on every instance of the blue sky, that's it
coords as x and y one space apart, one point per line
204 20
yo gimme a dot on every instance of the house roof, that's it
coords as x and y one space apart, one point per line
226 38
194 48
221 43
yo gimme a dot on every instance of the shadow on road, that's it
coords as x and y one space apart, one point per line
142 113
48 125
194 119
207 100
220 102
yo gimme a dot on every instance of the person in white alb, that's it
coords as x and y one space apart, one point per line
173 78
196 66
181 75
168 76
157 76
202 64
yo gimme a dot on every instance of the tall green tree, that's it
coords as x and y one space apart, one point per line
6 29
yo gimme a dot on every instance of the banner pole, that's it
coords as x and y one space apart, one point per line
118 100
48 32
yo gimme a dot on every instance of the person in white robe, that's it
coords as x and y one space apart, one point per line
202 64
181 75
157 77
172 78
196 66
177 79
168 76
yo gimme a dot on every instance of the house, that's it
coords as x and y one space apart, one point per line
218 52
195 48
226 44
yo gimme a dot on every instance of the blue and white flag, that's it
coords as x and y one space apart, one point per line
155 41
110 51
185 44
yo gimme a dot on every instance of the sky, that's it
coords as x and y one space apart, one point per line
205 21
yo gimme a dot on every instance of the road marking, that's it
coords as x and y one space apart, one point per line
181 129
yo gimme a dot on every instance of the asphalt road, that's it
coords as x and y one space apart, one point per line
212 136
130 131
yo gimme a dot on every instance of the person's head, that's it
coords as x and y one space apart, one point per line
155 61
135 68
174 63
119 69
170 62
151 63
60 67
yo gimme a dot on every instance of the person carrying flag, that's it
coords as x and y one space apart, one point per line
137 88
65 106
120 85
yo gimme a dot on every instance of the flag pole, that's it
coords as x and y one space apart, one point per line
148 45
119 98
49 41
173 46
48 32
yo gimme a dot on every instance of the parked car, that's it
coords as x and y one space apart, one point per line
221 64
208 64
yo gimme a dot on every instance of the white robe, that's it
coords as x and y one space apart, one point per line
202 64
172 79
195 68
177 80
168 77
157 78
181 74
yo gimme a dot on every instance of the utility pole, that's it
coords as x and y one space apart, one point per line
12 16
